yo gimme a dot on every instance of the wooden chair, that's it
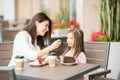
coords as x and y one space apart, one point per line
5 23
99 76
118 78
9 35
7 73
6 49
97 53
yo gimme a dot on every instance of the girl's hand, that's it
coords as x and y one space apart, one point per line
56 44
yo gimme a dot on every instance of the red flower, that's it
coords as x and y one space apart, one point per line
99 36
53 22
70 24
99 33
73 23
106 35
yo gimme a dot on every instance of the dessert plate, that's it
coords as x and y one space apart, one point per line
69 64
36 63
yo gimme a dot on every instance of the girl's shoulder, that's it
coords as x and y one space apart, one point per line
82 54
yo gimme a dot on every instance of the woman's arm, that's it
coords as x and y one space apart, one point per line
24 47
46 50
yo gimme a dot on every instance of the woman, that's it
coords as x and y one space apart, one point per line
30 41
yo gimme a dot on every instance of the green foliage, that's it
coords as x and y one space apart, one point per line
63 14
102 38
110 18
99 37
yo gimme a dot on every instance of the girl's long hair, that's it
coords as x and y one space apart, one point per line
78 42
32 29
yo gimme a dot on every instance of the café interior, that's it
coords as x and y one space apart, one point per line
15 15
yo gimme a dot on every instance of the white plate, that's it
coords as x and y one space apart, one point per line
69 64
36 64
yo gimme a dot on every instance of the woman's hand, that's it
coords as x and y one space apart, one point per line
46 60
46 50
56 44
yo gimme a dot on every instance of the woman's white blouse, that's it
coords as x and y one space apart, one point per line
24 47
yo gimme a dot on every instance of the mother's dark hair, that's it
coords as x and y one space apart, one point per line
31 29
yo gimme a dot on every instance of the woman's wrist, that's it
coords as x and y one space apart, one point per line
47 50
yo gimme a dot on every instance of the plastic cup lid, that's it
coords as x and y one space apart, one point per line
18 56
52 54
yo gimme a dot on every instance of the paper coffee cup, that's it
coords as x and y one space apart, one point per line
52 59
61 58
19 62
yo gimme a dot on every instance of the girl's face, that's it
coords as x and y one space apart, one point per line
70 39
42 27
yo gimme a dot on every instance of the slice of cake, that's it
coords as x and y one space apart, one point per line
68 59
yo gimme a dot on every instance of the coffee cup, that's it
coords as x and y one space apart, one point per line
52 59
19 62
61 58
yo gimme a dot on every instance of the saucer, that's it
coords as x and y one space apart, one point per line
69 64
36 63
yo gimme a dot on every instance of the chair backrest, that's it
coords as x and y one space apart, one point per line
100 75
118 78
9 35
97 53
6 49
7 73
5 23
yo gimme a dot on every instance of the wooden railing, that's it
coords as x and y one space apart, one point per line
5 53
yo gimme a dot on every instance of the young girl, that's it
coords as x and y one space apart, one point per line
75 47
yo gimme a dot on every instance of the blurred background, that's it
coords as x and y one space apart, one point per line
15 14
18 12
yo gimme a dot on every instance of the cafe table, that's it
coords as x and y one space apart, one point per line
59 72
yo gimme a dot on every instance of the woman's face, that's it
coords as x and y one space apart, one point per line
70 39
42 27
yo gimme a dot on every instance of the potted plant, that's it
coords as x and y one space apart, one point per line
109 17
99 37
110 24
